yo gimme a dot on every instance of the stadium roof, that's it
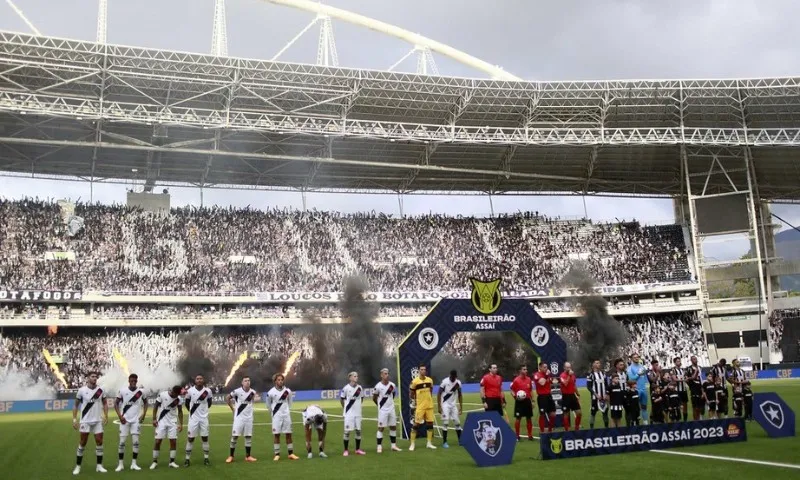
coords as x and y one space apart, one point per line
109 113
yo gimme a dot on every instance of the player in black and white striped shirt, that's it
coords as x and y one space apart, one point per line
678 375
597 383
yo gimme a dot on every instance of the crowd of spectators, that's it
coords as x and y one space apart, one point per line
660 337
220 250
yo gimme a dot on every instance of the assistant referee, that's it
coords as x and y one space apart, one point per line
492 391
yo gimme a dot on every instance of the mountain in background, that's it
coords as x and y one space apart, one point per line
787 245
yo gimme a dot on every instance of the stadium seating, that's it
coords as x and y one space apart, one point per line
223 250
659 337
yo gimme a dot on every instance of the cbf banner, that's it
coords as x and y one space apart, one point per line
584 443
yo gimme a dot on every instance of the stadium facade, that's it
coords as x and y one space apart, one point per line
722 149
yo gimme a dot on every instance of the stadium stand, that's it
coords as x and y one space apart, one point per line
784 331
224 250
659 337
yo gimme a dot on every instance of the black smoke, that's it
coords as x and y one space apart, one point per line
195 360
361 348
316 372
600 335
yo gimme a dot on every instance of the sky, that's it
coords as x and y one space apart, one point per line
533 39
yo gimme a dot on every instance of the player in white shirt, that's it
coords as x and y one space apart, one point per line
449 391
279 401
241 403
198 401
91 402
316 418
383 395
351 397
134 408
168 423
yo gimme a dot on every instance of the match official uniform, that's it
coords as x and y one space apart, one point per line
493 392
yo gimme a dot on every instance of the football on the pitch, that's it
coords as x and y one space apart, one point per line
521 395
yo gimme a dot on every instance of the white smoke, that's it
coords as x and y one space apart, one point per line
151 381
16 385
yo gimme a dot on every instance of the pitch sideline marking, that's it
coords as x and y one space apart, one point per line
731 459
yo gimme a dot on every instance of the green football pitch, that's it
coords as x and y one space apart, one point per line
42 446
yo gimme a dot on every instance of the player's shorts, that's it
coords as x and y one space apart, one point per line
281 424
242 428
684 396
387 418
197 427
494 405
450 413
130 428
165 430
712 406
546 404
523 408
643 399
569 401
352 422
309 421
722 406
423 415
93 428
616 414
698 402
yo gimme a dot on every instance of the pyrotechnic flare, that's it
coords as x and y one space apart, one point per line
54 367
123 364
292 358
235 368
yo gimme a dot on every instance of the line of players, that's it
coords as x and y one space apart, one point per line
622 391
168 418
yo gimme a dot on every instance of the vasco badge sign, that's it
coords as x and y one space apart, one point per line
488 439
485 295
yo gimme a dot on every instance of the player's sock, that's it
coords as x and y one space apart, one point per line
458 431
79 455
379 436
685 415
135 447
99 452
516 427
233 445
529 424
551 423
248 445
605 419
276 448
206 449
321 447
541 423
565 421
189 446
155 456
429 434
413 434
645 416
444 434
346 440
578 418
172 455
308 447
121 450
290 448
358 439
393 437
